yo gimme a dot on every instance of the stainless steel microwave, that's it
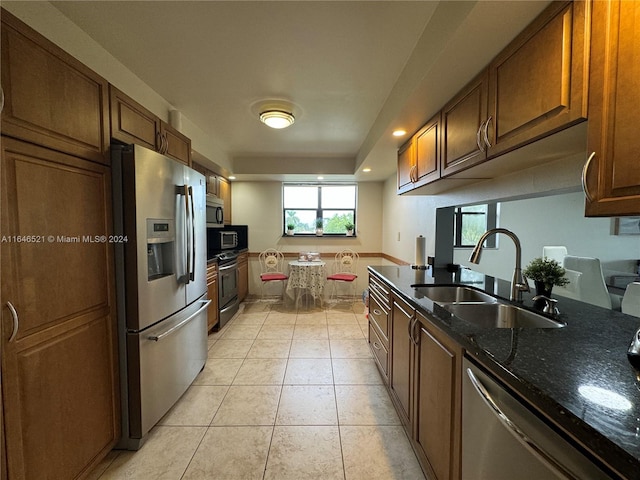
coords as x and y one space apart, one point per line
215 212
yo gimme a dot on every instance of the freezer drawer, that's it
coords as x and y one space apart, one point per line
503 440
163 361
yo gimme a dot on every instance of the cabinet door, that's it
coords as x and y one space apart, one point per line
177 146
212 294
400 381
59 371
538 83
437 401
406 167
428 152
224 192
131 122
50 98
462 119
613 180
243 277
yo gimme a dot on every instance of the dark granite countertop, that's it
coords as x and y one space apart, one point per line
567 373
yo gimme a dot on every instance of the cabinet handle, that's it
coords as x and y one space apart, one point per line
166 143
478 141
411 175
1 99
377 312
16 322
585 171
486 132
159 142
516 431
376 346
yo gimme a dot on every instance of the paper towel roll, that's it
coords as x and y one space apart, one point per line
421 244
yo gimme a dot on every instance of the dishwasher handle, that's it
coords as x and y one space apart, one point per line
516 431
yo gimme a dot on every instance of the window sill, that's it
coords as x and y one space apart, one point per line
313 235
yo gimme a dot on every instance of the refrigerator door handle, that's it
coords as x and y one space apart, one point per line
183 191
192 271
157 338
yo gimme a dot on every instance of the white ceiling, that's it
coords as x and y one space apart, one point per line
353 70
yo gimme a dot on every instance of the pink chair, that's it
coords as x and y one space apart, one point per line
344 270
271 265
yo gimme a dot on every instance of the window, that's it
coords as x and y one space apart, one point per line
471 222
334 204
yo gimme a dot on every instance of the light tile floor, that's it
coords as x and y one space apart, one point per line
285 394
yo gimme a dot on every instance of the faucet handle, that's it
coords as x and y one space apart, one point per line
524 285
550 304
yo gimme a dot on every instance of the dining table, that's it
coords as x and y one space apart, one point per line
306 277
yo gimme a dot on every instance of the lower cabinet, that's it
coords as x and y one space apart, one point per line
243 276
212 293
402 351
437 384
425 386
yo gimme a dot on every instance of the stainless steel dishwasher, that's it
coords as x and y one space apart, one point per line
503 440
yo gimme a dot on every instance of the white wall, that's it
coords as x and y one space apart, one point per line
259 205
51 23
558 220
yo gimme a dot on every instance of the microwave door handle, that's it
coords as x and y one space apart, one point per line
192 272
219 215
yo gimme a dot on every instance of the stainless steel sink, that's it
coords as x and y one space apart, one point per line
499 315
452 294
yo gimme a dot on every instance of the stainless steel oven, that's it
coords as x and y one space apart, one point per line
227 287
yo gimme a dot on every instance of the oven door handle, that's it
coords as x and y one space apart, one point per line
157 338
228 267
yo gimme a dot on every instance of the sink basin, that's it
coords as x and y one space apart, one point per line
499 315
452 294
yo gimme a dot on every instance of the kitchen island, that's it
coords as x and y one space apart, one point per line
552 369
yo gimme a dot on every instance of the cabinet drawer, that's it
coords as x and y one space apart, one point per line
380 353
376 287
380 316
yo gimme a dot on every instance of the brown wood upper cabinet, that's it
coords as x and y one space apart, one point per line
535 87
613 172
538 84
132 123
419 159
463 119
50 98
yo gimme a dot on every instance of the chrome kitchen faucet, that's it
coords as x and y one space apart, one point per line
518 282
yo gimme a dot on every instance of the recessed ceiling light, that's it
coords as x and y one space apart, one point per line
277 118
366 170
399 133
232 177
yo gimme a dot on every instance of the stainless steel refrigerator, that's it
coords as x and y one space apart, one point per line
160 218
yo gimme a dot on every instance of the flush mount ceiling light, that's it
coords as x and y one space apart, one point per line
276 113
399 133
277 118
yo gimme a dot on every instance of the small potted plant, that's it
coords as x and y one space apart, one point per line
319 226
290 227
545 273
349 226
